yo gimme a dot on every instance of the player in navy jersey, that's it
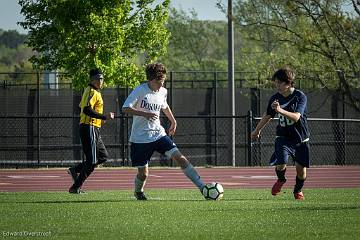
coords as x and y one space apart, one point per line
145 103
292 133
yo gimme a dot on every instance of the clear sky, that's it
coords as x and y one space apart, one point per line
206 10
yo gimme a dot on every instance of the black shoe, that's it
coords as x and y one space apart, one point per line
72 173
76 190
140 196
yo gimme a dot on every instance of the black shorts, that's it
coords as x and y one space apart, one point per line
92 144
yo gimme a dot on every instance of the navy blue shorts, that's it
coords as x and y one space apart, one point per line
284 148
141 152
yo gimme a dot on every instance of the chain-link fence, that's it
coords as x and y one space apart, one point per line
332 142
32 135
54 141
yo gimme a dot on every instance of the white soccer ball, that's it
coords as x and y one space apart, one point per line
213 191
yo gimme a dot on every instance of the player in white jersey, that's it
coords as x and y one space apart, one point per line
145 103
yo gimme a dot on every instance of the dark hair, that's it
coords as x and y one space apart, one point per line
155 71
284 74
95 72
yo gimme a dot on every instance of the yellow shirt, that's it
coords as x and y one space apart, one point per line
91 97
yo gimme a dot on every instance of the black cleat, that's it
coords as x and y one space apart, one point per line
72 173
140 196
76 191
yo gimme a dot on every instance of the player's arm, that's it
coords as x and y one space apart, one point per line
168 113
263 122
92 113
89 111
131 101
293 116
132 111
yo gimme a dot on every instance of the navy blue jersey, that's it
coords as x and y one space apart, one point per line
296 102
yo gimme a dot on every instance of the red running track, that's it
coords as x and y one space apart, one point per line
12 180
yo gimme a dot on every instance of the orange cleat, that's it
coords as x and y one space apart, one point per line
276 189
299 196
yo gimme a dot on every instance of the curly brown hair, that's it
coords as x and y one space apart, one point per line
284 74
155 71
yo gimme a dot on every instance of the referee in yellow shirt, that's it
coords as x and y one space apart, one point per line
91 118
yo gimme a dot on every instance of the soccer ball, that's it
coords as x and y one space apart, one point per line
213 191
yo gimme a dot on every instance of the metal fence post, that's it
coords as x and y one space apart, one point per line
215 114
122 139
171 90
38 115
249 130
126 137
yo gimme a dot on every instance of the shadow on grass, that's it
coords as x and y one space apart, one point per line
73 201
80 201
323 208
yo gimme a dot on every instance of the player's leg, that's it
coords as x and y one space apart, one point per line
84 174
279 160
102 156
140 154
167 146
302 162
74 171
140 181
280 171
102 153
300 179
78 167
188 169
88 137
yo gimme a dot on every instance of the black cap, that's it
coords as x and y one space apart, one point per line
95 72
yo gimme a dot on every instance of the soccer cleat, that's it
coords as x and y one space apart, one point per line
299 196
140 196
72 173
76 190
276 189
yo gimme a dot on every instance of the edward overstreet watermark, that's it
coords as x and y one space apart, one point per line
25 234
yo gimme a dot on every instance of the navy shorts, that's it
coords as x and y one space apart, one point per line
141 152
284 148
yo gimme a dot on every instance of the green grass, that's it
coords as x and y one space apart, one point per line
182 214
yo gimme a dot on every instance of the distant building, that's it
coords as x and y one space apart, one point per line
51 79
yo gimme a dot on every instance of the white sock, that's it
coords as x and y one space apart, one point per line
139 185
192 174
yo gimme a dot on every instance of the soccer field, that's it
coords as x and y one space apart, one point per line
181 214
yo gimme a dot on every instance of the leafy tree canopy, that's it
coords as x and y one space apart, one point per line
11 38
195 44
14 55
76 35
319 38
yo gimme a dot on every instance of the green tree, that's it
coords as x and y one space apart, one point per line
202 45
14 55
76 35
195 44
11 38
319 38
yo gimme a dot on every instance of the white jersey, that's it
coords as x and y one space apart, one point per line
144 99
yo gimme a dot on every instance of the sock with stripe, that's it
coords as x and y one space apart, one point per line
192 174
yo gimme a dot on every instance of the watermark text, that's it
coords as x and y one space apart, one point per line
25 234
